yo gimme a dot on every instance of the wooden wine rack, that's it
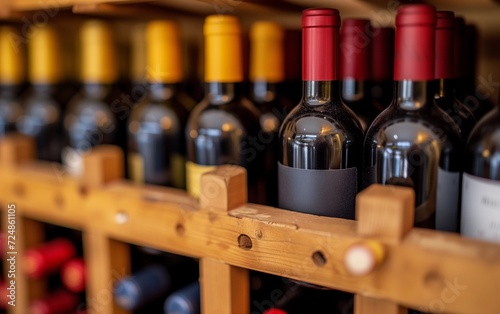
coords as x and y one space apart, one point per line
416 268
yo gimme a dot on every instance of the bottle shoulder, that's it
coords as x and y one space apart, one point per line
336 117
241 112
395 125
486 132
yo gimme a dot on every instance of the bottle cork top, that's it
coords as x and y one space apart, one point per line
99 64
44 57
267 52
164 61
11 56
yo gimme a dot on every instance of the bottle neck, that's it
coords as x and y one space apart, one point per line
414 95
443 88
317 93
96 90
354 90
162 91
264 91
10 90
223 93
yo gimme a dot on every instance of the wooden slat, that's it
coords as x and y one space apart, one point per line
367 305
225 289
106 262
384 213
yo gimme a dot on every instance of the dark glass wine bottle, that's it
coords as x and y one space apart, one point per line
444 76
184 301
466 89
414 143
224 127
481 181
42 116
382 67
321 139
12 77
355 47
94 115
157 146
267 74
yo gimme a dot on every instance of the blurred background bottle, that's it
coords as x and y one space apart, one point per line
157 145
382 66
96 115
355 59
466 88
43 102
267 75
12 78
444 75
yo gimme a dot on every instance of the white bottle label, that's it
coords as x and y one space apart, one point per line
480 208
448 188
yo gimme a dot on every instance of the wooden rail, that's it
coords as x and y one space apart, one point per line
379 257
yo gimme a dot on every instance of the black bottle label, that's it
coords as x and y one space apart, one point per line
319 192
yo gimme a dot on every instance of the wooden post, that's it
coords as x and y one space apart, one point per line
224 288
383 212
16 149
106 260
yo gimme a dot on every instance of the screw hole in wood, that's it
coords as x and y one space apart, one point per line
244 242
319 258
179 228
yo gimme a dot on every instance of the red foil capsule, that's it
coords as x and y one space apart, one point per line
73 275
414 46
48 258
320 26
355 43
382 53
445 25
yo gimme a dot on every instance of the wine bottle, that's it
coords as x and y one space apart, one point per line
481 180
157 124
444 76
267 70
414 143
147 285
224 127
321 138
57 302
355 47
12 77
73 275
465 87
382 67
184 301
48 257
94 115
42 116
